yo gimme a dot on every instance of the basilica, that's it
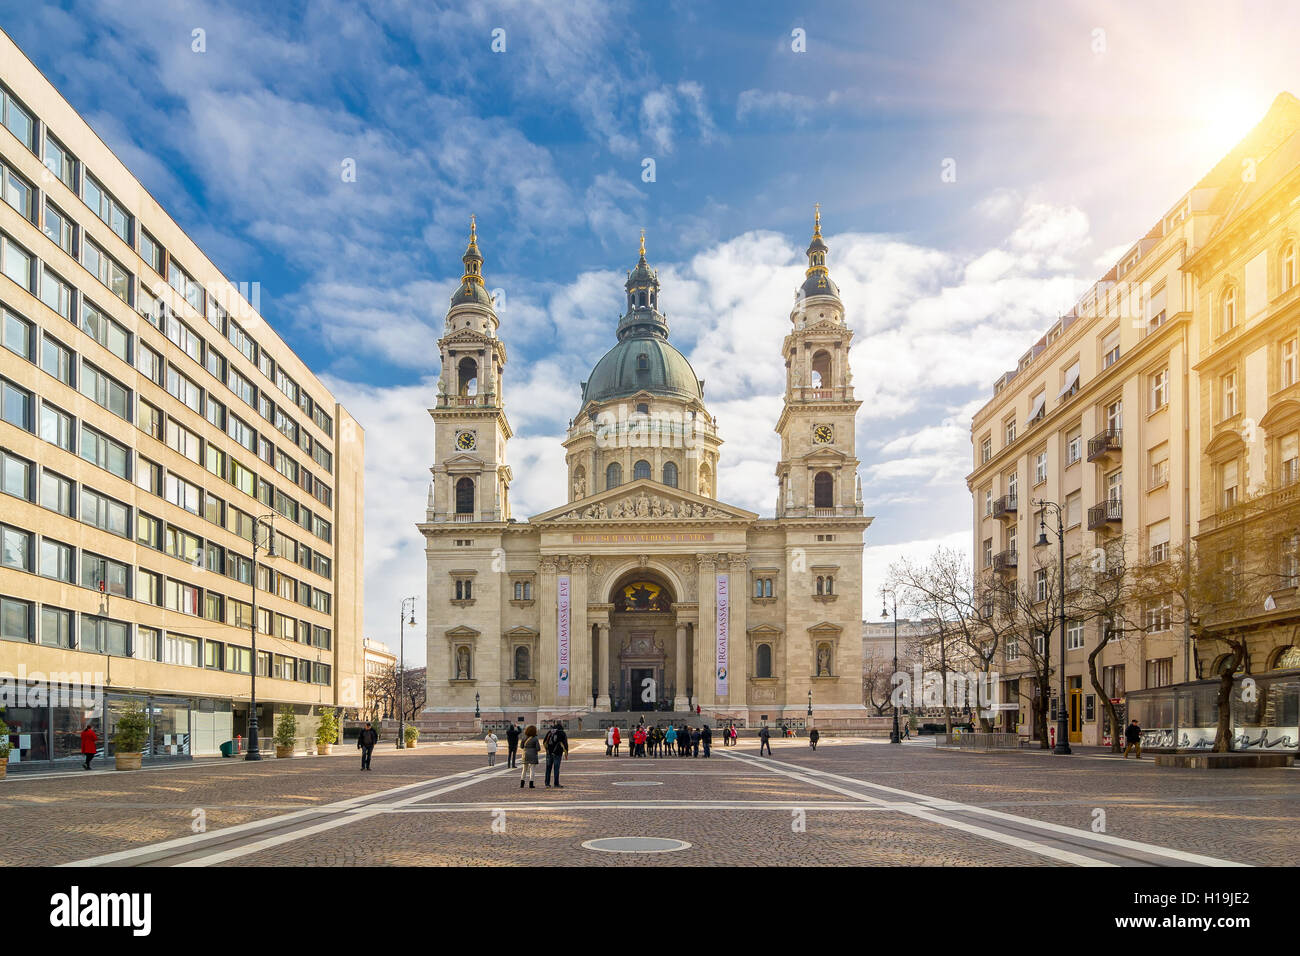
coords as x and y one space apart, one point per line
645 590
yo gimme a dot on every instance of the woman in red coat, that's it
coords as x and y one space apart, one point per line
89 744
617 740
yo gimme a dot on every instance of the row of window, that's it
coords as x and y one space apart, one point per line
24 550
22 409
61 228
57 627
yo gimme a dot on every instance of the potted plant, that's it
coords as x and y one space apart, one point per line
129 735
286 729
412 735
4 748
327 731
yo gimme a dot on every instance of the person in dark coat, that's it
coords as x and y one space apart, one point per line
764 740
813 737
530 747
695 742
684 738
557 747
89 745
512 745
1133 737
366 741
706 738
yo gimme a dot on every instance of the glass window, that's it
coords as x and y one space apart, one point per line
214 509
58 227
15 620
60 162
103 451
149 419
181 597
105 513
17 264
19 336
215 461
181 439
215 363
15 548
216 413
106 269
182 493
56 560
18 193
16 405
15 476
148 531
106 391
151 252
56 627
106 331
105 636
150 363
56 493
241 387
56 426
178 649
18 120
56 359
107 208
105 575
182 336
148 475
181 387
149 587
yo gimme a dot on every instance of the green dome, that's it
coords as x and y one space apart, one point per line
621 372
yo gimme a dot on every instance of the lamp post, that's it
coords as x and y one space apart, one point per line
262 521
401 669
894 736
477 715
1062 715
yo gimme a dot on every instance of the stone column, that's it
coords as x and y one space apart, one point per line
679 695
602 678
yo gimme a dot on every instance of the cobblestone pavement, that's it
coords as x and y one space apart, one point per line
849 803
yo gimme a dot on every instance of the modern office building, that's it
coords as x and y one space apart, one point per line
155 428
1149 413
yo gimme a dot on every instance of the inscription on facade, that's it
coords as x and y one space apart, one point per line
635 537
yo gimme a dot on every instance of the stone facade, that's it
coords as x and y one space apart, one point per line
644 590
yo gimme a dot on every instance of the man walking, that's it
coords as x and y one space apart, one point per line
812 738
706 738
89 744
557 746
764 740
366 741
1133 736
512 745
491 741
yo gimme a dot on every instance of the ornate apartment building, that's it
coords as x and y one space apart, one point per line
645 590
154 425
1166 397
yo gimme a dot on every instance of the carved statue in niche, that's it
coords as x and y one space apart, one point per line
462 663
823 660
705 485
579 486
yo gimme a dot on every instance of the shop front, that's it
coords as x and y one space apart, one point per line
1265 713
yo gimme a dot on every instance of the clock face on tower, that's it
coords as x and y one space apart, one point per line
823 434
465 441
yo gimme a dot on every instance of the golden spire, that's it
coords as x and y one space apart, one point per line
817 219
642 243
473 225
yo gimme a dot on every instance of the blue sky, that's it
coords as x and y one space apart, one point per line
1072 127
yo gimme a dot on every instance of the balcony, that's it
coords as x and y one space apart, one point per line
1105 443
1005 560
1103 514
1005 507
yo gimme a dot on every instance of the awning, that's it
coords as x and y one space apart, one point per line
1071 380
1040 403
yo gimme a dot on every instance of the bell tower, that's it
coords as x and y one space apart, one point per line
818 470
471 480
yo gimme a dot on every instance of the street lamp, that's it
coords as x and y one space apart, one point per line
401 668
477 715
263 521
1062 717
894 736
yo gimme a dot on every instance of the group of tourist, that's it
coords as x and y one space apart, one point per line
659 741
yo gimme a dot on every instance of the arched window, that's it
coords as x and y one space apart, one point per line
670 474
763 661
1288 266
758 587
641 470
821 584
465 496
522 671
519 590
830 584
1287 658
643 363
613 475
767 587
467 373
1229 309
824 490
821 370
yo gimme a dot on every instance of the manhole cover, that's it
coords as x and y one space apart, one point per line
639 783
636 845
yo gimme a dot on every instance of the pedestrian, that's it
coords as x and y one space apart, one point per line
89 745
512 745
557 746
734 735
670 740
764 740
907 730
706 738
491 740
617 740
530 746
609 741
684 740
695 741
366 741
697 710
1133 735
813 737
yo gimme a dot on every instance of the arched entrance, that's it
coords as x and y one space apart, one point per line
643 625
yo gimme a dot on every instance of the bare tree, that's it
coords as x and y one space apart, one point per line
878 684
414 694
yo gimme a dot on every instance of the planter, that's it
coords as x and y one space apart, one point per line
283 751
4 767
128 761
324 749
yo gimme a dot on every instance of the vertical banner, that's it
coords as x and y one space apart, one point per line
723 606
562 633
